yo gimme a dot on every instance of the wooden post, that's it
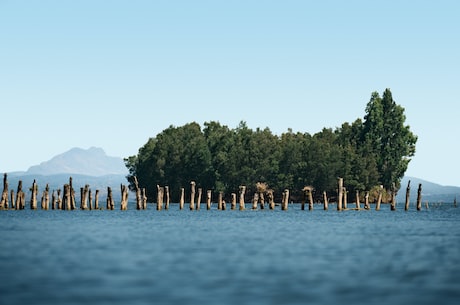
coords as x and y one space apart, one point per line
345 198
5 193
242 191
379 198
284 204
358 204
90 199
271 199
138 194
255 201
84 200
224 205
303 200
81 199
406 206
59 200
393 197
181 201
33 198
192 195
366 201
72 195
198 201
45 202
325 201
219 200
340 195
110 202
262 200
124 198
167 197
53 200
160 192
96 200
419 197
144 199
13 204
67 200
208 199
233 204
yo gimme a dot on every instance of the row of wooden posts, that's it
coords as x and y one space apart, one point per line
67 200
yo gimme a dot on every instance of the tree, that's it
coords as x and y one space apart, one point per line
387 138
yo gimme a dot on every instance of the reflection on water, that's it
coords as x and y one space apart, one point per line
230 257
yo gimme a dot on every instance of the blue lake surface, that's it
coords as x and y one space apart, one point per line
231 257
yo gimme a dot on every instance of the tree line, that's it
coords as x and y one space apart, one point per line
367 153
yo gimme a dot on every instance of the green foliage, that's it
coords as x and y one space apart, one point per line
365 153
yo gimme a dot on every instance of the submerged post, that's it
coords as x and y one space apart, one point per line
138 194
33 198
345 198
167 197
198 201
366 201
192 195
13 205
124 197
393 197
5 193
144 199
255 200
271 199
181 201
242 191
419 197
358 204
325 201
208 199
379 198
220 200
340 195
160 195
406 206
59 200
96 200
110 202
233 204
46 198
90 200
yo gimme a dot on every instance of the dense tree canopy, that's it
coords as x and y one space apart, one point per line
366 154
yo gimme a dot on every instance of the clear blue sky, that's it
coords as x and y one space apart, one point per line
114 73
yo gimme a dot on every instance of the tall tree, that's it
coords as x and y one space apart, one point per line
389 139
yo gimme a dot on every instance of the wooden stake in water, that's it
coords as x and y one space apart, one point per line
59 200
45 202
124 197
271 199
358 203
379 198
325 201
144 199
340 194
5 193
233 203
167 197
393 197
208 199
110 201
96 200
406 206
33 197
138 194
198 201
345 198
182 196
242 192
192 195
255 201
419 197
13 204
366 201
53 200
220 200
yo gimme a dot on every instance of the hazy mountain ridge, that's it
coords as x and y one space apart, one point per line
89 162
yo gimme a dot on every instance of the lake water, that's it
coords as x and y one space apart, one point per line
230 257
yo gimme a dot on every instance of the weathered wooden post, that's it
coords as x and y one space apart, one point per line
285 203
33 197
345 198
242 191
224 204
45 198
59 200
233 204
308 191
84 197
208 199
67 205
167 197
144 199
271 199
325 201
262 200
90 200
53 200
5 193
261 188
198 201
138 194
219 200
160 191
303 200
255 201
379 198
124 197
393 197
340 195
110 201
366 201
13 204
96 200
358 204
72 195
192 195
181 201
406 206
419 197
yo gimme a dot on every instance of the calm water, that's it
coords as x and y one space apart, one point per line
230 257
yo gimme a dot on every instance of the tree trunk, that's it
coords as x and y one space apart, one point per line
242 191
419 197
406 206
340 195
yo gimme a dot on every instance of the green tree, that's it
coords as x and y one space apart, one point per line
387 138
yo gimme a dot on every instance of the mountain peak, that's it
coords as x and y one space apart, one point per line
91 162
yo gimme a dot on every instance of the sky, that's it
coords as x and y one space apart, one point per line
111 74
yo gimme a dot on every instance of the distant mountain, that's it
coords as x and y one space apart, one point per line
431 192
89 162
